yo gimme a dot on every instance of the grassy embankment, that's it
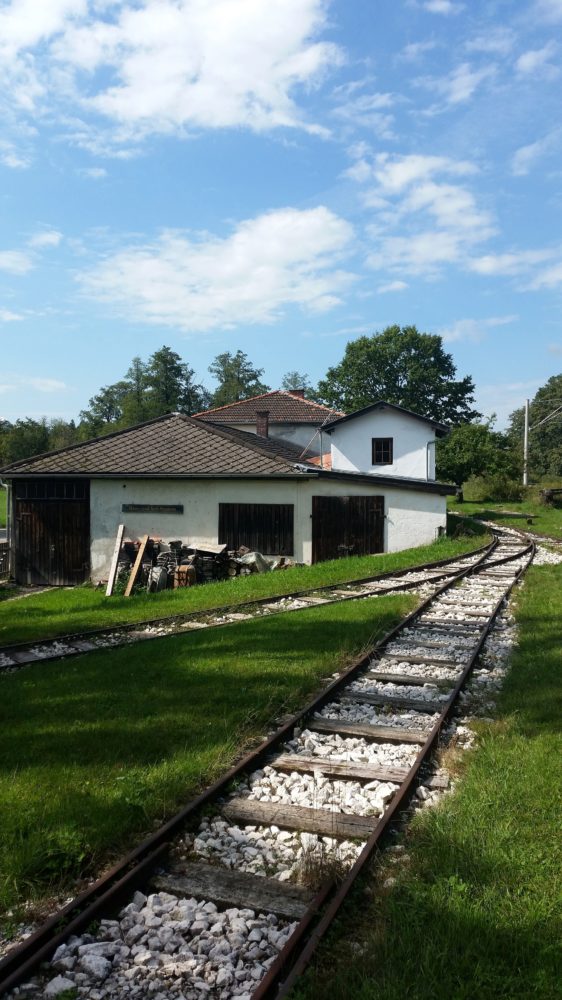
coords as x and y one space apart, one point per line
95 750
476 910
546 520
59 611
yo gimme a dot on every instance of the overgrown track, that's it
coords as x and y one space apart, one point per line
20 654
229 915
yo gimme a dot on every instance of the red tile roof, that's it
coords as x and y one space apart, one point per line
284 408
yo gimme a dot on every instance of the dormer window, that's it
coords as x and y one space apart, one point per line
382 451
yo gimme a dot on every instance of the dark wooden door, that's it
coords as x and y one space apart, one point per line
52 532
263 527
347 526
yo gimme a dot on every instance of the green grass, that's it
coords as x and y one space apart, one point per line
59 611
546 520
94 751
476 911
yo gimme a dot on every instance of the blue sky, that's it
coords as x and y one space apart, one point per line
278 176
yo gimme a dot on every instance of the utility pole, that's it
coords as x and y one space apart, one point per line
526 446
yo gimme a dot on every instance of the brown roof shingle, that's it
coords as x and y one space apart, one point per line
168 446
284 408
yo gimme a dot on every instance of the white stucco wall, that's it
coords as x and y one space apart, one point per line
412 517
302 435
352 450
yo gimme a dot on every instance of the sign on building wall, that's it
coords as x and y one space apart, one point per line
152 508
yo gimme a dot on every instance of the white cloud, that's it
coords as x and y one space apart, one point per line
6 316
496 41
555 349
394 174
415 50
113 74
525 158
11 157
459 85
417 253
196 283
511 263
392 286
108 75
549 10
15 262
93 173
44 384
473 330
45 238
551 277
369 111
446 7
537 60
423 219
39 383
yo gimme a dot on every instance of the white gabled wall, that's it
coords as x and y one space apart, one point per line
412 517
351 444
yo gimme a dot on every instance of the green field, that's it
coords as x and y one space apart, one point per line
63 610
545 520
96 750
476 910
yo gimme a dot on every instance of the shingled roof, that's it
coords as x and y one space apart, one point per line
284 408
172 445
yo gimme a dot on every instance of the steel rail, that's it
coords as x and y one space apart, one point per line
270 984
104 894
179 619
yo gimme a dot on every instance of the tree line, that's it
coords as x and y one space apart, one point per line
399 364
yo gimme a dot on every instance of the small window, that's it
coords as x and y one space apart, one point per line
382 451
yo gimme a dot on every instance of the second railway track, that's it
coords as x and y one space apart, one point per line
232 895
19 654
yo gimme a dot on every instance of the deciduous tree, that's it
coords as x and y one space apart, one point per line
474 450
401 366
545 439
237 378
297 380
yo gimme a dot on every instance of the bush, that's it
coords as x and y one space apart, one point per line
499 488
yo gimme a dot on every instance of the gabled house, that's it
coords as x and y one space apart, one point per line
180 477
384 439
278 414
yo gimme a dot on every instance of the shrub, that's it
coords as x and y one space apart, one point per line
498 487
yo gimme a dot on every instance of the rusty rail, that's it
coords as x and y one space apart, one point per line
107 892
177 621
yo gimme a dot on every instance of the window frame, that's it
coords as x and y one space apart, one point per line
386 446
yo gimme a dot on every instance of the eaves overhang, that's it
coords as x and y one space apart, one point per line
394 482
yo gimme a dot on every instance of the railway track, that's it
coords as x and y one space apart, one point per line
232 895
20 654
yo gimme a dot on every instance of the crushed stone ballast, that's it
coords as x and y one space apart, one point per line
17 655
231 896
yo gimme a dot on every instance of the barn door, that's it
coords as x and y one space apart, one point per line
52 532
347 526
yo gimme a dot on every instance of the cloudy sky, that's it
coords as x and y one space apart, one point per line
278 176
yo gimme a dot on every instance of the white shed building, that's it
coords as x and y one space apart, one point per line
177 477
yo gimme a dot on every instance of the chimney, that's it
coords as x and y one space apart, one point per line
298 392
262 423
